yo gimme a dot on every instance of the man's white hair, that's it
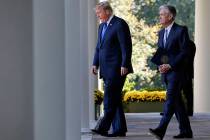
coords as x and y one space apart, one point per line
171 9
105 5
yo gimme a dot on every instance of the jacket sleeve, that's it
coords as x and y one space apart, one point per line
124 38
156 58
183 41
96 55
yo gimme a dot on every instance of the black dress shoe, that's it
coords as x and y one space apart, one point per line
102 133
156 133
181 136
119 134
161 113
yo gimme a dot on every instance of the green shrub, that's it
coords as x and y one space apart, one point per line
153 89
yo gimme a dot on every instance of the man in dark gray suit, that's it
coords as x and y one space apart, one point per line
113 58
173 43
188 85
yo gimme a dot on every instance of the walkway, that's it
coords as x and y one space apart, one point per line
138 125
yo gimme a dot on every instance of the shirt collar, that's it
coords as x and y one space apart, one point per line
110 18
168 28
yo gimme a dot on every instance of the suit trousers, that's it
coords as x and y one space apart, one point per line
174 104
113 109
188 93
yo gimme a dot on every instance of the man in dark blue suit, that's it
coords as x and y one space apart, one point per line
113 59
173 43
187 87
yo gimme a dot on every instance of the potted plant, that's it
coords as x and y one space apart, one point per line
98 99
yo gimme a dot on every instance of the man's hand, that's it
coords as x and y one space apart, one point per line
124 71
94 70
164 68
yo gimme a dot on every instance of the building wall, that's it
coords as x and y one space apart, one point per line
16 92
49 69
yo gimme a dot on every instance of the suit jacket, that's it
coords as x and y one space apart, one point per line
114 50
189 67
175 52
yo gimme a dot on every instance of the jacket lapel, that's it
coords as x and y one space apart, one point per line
108 29
99 32
170 36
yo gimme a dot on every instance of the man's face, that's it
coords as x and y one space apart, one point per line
165 17
101 14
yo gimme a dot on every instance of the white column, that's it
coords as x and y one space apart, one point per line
49 70
57 70
202 64
16 81
84 66
72 70
92 37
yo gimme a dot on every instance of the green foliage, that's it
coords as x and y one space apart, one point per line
129 85
148 10
142 18
153 89
144 38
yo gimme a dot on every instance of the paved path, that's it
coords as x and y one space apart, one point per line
139 123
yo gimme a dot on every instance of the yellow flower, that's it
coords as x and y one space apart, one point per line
98 96
142 96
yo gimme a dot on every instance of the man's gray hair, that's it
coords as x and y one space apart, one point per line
170 8
105 5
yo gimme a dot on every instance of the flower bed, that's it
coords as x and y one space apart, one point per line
144 101
144 96
138 101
